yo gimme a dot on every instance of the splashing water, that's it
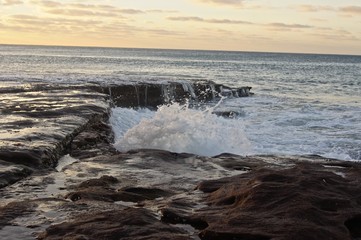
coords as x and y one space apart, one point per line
178 128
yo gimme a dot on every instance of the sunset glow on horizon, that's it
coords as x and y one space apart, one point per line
238 25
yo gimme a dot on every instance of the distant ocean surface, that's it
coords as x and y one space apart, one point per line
303 103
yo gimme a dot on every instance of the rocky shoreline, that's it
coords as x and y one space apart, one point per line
100 193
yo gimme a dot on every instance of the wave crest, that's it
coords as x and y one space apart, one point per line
178 128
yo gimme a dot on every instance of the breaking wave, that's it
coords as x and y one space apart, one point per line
178 128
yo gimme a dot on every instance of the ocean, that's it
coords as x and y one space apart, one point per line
302 104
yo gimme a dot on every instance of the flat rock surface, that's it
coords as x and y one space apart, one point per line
37 122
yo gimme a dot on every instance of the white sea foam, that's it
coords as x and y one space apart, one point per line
123 119
279 126
65 161
178 128
266 126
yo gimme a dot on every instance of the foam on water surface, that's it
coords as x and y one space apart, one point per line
277 125
265 125
177 128
65 161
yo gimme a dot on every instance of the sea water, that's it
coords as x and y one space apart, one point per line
303 103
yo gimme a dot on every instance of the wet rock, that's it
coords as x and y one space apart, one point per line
101 189
104 181
112 195
10 174
131 223
14 210
140 95
151 95
39 122
176 215
307 201
145 193
95 139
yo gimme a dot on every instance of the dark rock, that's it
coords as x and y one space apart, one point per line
131 223
151 95
22 156
14 210
111 195
228 114
10 174
94 140
140 95
39 122
174 216
103 181
303 202
146 193
101 190
354 226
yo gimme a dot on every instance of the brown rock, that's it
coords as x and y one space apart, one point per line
131 223
100 190
10 174
14 210
103 181
307 201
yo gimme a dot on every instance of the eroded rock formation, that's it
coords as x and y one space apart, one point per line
154 194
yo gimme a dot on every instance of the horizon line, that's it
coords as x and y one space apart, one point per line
179 49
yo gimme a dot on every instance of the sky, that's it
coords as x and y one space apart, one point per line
305 26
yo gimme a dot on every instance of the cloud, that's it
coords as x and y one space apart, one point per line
314 8
11 2
80 12
351 9
336 37
78 18
161 11
94 28
223 2
276 26
289 26
204 20
344 10
50 4
29 20
83 10
162 32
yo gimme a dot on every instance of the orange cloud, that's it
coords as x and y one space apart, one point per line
351 9
223 2
78 9
11 2
314 8
284 25
344 10
199 19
